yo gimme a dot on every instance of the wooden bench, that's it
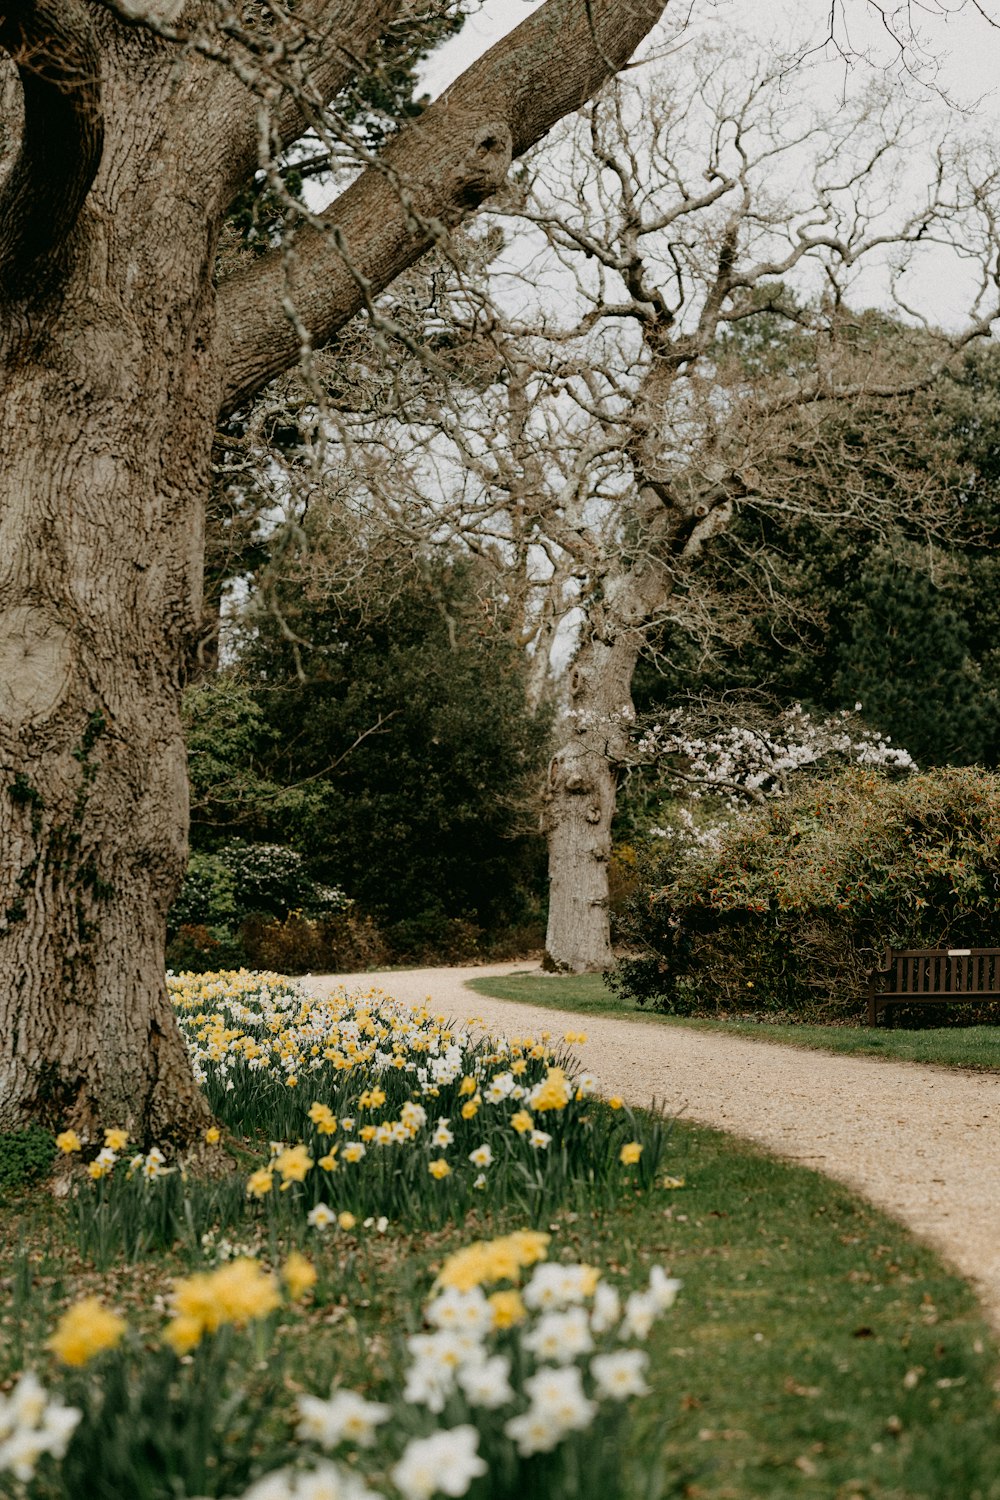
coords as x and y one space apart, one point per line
933 976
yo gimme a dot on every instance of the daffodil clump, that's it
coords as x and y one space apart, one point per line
505 1384
124 1204
514 1384
378 1108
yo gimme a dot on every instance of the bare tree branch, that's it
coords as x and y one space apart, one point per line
53 46
433 173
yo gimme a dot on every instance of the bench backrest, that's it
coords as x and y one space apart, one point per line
943 971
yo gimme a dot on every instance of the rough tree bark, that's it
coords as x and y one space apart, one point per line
579 800
118 355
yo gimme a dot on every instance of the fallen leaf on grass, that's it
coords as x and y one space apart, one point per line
793 1388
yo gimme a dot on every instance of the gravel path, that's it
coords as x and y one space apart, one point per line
919 1141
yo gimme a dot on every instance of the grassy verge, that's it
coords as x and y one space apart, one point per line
815 1350
976 1047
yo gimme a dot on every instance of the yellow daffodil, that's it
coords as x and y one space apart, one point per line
116 1140
260 1183
243 1290
293 1163
552 1093
68 1141
346 1220
183 1334
85 1329
213 1135
298 1274
630 1153
507 1308
486 1261
439 1168
522 1122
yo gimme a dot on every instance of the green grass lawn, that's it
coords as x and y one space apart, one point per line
815 1351
954 1047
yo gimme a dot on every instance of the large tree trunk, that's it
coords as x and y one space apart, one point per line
580 804
105 431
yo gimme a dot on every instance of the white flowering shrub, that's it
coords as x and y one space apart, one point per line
744 764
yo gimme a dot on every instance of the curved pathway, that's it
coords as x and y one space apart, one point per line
921 1142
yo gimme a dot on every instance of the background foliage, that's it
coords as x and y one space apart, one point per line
793 908
390 721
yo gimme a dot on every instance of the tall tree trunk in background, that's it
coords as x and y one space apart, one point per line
579 803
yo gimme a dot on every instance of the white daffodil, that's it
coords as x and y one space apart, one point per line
321 1217
560 1336
533 1431
640 1314
620 1375
345 1417
445 1463
553 1286
607 1308
487 1385
663 1288
560 1394
465 1312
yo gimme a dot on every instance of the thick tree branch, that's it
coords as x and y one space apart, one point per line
456 155
296 57
54 48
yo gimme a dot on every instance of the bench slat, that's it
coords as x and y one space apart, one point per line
933 975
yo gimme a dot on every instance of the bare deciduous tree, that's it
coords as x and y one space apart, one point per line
655 351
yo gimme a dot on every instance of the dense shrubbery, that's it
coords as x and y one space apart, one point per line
257 903
790 911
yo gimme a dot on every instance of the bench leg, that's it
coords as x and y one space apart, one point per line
872 1011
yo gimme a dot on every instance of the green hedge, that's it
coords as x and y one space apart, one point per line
792 910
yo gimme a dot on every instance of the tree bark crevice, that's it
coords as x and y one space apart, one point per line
54 47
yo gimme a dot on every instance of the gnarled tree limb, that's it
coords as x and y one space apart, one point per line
54 48
456 155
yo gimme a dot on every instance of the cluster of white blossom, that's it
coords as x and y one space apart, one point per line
32 1423
744 764
687 834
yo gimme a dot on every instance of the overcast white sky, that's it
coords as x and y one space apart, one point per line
956 34
967 45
